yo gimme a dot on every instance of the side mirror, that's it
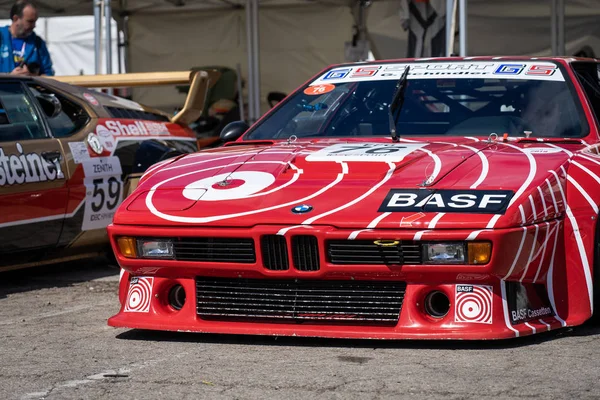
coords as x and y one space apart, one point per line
50 104
233 131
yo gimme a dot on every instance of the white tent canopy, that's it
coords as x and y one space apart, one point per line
299 37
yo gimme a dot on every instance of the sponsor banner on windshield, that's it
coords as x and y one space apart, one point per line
537 70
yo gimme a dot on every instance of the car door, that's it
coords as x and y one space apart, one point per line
33 175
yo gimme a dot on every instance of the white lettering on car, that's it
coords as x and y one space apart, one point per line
25 168
446 200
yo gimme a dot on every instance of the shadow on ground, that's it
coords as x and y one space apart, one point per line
56 275
145 335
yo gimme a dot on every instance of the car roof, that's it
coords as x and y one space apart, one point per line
561 59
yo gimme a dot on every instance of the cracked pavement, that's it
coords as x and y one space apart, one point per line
56 345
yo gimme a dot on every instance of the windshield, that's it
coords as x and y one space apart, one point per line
452 99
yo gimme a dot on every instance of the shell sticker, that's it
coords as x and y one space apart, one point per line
317 90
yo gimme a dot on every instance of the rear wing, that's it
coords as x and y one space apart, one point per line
200 82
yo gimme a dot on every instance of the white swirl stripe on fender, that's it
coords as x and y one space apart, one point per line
583 193
543 250
533 210
532 171
543 201
523 219
556 210
550 280
579 241
512 267
537 228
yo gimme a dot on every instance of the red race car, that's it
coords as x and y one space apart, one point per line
451 198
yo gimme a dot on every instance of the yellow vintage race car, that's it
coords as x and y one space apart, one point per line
69 155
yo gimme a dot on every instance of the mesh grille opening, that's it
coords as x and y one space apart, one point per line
305 253
274 252
324 302
239 250
354 252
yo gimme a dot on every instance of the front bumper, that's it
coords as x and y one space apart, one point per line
482 299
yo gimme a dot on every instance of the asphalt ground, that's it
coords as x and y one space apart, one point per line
55 344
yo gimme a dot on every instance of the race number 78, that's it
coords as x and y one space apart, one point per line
366 149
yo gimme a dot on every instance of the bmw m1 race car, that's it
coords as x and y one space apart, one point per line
452 198
69 155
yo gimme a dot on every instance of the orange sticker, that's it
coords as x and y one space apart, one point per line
319 89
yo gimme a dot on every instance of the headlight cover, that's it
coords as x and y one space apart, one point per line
472 253
444 253
155 248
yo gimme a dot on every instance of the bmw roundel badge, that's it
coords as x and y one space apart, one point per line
301 209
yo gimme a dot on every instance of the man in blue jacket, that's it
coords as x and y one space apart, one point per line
22 52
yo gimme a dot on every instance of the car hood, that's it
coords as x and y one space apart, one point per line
458 183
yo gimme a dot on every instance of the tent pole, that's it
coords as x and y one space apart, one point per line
463 27
449 6
97 35
561 28
108 42
256 50
250 75
553 26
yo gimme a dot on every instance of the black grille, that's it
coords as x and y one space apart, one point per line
274 252
118 112
331 302
305 253
366 252
239 250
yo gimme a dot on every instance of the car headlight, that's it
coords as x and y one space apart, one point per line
444 253
474 253
155 248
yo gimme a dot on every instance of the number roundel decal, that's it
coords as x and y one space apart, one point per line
319 89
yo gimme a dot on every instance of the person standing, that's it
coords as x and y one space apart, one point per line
22 52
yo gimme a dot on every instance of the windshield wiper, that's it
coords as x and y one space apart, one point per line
396 105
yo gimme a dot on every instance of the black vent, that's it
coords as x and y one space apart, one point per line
274 252
352 252
305 253
118 112
238 250
325 302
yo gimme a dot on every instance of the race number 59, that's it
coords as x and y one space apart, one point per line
103 191
106 195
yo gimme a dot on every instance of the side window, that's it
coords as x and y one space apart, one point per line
589 78
19 119
68 119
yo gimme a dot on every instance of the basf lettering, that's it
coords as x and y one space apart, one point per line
465 201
